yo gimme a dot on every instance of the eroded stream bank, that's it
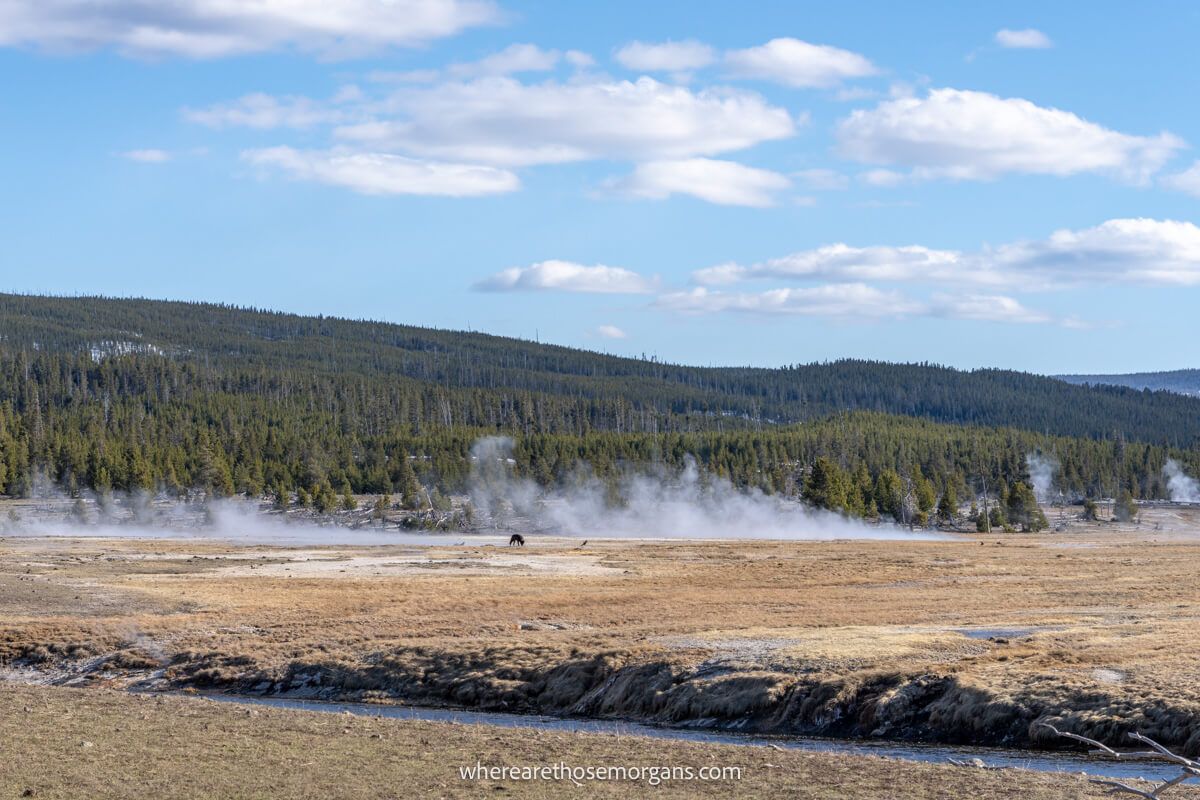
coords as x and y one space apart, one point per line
991 757
663 693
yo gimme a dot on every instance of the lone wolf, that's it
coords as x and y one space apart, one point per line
517 539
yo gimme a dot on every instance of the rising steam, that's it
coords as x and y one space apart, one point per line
1041 475
653 505
1181 487
142 515
643 504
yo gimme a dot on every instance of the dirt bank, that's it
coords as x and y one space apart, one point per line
63 744
644 687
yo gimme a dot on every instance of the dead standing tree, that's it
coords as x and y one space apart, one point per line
1188 768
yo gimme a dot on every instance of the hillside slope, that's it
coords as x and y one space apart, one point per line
1180 381
613 393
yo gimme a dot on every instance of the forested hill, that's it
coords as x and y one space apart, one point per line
1180 381
481 380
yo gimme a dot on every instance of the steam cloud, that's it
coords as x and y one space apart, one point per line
1181 487
683 505
142 515
649 504
1041 475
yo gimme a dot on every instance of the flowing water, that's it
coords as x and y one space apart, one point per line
929 753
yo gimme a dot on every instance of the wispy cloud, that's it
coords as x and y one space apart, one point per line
833 300
216 28
611 332
505 122
682 56
384 173
567 276
1024 39
147 156
721 182
821 179
265 112
799 64
851 301
1187 181
1119 251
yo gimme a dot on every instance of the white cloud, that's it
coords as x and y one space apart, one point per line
147 156
977 136
833 300
579 59
215 28
264 111
611 332
512 60
1025 39
509 61
846 263
404 76
1186 181
666 56
850 301
1119 251
796 63
1132 251
567 276
501 122
984 307
822 179
721 182
384 173
504 122
882 177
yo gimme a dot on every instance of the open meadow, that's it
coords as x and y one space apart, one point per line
966 640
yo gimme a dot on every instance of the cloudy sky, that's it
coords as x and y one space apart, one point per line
1011 184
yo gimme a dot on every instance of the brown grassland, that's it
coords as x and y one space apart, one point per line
72 743
972 640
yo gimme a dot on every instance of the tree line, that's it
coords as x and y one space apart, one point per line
126 395
477 379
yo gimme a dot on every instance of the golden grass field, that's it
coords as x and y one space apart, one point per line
70 743
971 640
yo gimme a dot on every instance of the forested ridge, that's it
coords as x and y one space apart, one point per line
112 393
1181 381
287 348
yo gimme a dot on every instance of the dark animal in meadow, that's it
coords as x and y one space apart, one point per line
517 539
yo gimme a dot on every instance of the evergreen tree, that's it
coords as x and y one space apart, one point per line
1125 509
1022 508
827 486
947 508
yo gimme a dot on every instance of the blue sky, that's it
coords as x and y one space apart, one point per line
714 183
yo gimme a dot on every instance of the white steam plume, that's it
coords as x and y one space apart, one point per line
1041 475
645 504
1181 487
52 513
683 505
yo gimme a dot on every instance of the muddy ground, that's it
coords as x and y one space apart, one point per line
974 640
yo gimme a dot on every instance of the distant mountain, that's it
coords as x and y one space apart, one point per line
1179 381
381 371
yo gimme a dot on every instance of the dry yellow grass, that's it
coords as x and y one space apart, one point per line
1097 621
64 743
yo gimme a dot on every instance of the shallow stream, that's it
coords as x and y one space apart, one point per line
929 753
